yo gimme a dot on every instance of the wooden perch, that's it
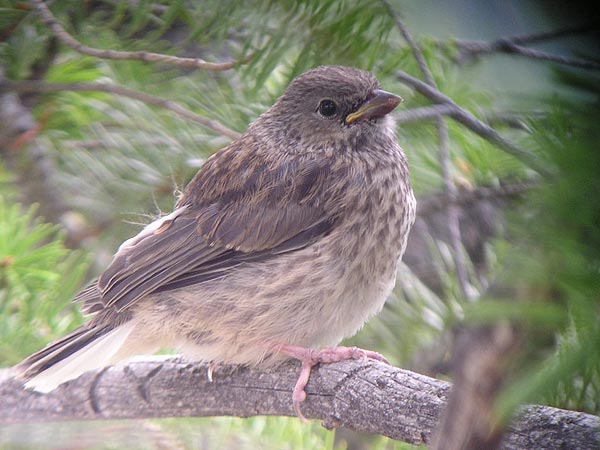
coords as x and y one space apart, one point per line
365 396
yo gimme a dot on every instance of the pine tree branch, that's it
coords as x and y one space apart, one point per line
68 40
511 45
417 53
530 38
364 396
468 421
423 113
36 86
433 111
506 46
474 124
444 159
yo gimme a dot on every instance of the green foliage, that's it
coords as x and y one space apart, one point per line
261 432
22 50
116 156
560 260
38 278
8 191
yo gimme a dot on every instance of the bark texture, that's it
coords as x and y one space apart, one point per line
365 396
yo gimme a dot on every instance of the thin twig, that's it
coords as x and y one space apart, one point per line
507 119
452 211
473 123
417 53
197 63
36 86
423 113
509 47
434 111
513 45
530 38
444 158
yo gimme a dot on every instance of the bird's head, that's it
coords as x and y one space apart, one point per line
331 105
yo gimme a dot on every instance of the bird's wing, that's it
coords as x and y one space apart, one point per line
262 213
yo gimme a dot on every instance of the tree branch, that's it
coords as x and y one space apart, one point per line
64 37
423 113
511 48
434 111
444 159
366 396
530 38
487 434
480 360
36 86
474 49
417 53
474 124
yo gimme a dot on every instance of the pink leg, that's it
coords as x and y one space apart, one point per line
310 358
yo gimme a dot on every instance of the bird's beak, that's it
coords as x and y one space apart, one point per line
380 104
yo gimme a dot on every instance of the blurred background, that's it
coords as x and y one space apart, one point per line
82 171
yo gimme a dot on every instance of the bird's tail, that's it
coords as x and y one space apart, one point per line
86 348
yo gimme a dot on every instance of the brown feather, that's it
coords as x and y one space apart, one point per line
249 216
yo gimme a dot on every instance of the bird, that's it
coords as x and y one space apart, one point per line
284 243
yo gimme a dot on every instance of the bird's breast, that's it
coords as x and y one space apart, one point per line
366 246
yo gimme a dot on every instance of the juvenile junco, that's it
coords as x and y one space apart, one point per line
284 243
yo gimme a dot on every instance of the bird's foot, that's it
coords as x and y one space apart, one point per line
311 357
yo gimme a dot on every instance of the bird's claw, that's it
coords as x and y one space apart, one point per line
210 371
311 357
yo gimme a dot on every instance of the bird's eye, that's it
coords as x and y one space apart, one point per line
327 108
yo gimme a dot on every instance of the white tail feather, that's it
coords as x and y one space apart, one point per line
98 354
